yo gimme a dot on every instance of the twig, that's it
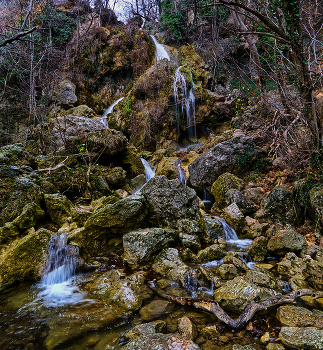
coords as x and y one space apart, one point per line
58 166
17 36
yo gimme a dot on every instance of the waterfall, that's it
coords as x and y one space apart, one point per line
231 236
187 103
56 285
149 172
103 119
181 172
160 50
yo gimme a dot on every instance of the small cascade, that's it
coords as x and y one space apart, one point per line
56 284
160 50
206 200
149 172
187 98
109 110
192 283
181 172
231 236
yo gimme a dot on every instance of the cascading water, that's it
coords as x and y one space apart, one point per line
186 98
231 236
206 200
56 284
103 119
181 172
149 172
160 50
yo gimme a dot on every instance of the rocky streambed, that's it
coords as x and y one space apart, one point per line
93 292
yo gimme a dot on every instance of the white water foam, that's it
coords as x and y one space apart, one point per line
160 50
149 172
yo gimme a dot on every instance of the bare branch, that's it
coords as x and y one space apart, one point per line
17 36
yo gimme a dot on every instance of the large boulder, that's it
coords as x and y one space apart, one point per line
161 342
139 246
75 132
169 265
224 157
234 217
113 219
296 316
25 258
258 248
286 241
170 201
309 338
279 207
115 288
235 295
213 228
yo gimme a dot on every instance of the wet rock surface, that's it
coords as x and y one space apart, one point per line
309 338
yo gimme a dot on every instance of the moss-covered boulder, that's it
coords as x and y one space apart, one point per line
213 252
279 207
227 271
139 246
170 201
222 185
115 176
168 167
15 193
25 258
59 208
238 293
286 241
30 216
110 221
79 111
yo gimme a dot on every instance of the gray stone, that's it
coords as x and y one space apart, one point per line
190 241
238 293
144 329
170 200
220 159
170 266
258 249
66 92
316 203
227 271
296 316
213 252
234 217
161 342
214 228
59 208
140 245
186 328
286 241
309 338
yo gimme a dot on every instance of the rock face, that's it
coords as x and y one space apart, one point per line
169 265
295 316
25 258
140 245
309 338
78 130
286 241
113 219
220 159
236 294
169 201
279 207
161 342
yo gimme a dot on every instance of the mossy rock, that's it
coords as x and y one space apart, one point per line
17 155
59 208
25 258
168 167
222 185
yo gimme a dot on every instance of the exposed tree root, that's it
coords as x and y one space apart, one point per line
249 311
